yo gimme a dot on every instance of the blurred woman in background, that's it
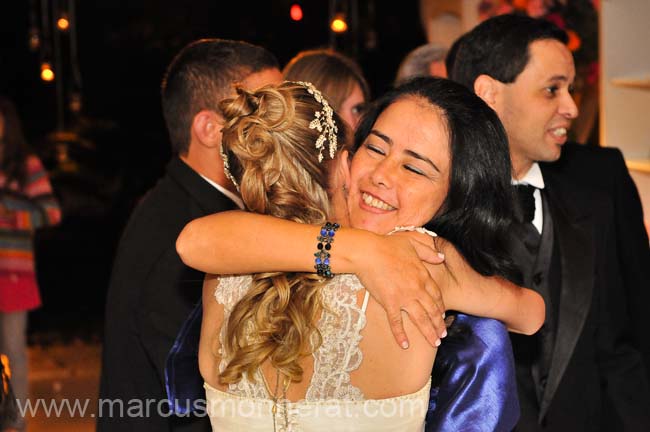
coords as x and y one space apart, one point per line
26 203
337 76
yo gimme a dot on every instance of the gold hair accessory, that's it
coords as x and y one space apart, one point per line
323 123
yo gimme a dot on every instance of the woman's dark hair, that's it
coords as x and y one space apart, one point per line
13 146
477 211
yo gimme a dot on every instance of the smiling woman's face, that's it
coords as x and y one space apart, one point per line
400 173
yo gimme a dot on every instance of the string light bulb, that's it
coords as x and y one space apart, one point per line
47 74
338 24
63 23
296 12
34 40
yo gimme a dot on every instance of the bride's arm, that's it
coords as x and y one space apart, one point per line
238 242
522 310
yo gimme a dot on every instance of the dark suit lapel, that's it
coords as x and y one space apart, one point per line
577 259
203 193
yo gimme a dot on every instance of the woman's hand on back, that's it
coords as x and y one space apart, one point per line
392 270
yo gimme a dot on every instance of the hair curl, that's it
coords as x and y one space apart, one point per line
272 155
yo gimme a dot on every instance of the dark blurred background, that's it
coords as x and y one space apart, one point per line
98 127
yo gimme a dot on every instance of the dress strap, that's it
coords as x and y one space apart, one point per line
365 302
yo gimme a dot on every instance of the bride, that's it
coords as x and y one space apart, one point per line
304 351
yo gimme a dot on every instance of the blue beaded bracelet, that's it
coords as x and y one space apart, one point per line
325 239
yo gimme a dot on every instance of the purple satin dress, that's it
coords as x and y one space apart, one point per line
473 379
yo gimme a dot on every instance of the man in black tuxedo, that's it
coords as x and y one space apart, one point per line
579 372
151 291
604 168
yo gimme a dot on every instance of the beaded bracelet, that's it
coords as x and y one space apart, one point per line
325 239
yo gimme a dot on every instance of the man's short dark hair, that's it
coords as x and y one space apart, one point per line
499 48
450 58
200 76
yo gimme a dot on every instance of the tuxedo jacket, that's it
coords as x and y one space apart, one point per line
604 169
595 377
151 292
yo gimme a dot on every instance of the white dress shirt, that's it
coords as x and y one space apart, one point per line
534 178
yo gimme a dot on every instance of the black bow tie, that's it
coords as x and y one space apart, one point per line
526 201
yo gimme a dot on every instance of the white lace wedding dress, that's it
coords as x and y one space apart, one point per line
331 403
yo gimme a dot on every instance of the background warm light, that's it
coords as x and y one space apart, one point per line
296 12
47 74
339 25
63 23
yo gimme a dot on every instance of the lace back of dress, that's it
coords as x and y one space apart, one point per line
230 290
339 353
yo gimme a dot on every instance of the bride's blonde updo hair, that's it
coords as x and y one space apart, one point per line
271 154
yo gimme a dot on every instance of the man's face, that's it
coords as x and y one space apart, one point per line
537 108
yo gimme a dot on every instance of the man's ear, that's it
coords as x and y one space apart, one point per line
206 127
487 88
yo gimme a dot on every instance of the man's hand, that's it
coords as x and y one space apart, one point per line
393 272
